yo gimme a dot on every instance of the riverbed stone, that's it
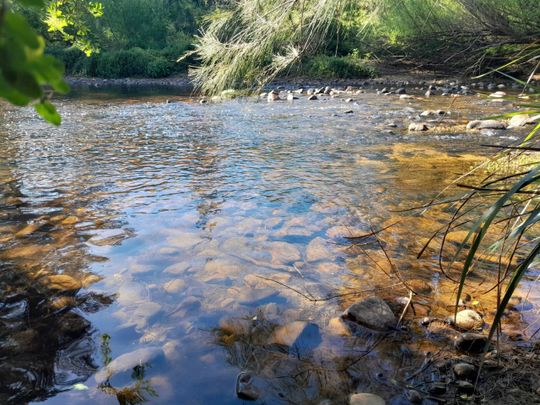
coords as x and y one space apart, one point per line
366 399
143 313
519 121
336 326
245 389
174 286
342 231
465 387
468 319
473 343
313 97
236 326
420 286
437 388
464 371
273 96
283 252
300 335
127 361
318 250
178 268
372 313
131 292
486 124
249 296
498 94
418 127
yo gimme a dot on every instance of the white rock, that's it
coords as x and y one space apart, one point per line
366 399
468 320
127 361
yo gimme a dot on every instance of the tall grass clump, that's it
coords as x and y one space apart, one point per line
248 44
502 210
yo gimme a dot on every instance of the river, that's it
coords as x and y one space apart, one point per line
184 234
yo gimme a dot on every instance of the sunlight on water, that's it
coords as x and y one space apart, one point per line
187 235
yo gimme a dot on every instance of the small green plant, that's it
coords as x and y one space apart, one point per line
335 67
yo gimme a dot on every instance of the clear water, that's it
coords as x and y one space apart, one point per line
161 216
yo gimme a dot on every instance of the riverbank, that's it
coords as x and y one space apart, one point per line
389 77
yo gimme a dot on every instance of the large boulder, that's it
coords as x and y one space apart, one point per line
372 313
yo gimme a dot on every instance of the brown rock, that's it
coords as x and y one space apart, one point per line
62 282
372 313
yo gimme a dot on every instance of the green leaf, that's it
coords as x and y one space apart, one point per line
482 225
18 28
25 83
11 94
48 112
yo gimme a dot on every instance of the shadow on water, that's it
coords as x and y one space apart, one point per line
46 343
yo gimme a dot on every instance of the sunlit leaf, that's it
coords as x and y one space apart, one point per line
48 112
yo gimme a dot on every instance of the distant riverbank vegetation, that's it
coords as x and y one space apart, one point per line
244 43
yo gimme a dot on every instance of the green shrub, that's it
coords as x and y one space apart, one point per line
135 62
332 67
159 67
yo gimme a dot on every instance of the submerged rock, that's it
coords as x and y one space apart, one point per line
471 343
62 282
255 296
174 286
317 250
300 335
127 361
245 389
437 388
464 371
465 387
336 326
420 286
372 313
414 396
366 399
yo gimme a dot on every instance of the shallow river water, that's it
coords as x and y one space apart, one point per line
171 240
